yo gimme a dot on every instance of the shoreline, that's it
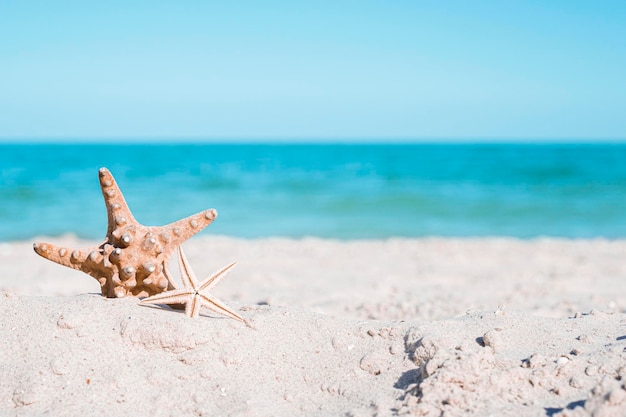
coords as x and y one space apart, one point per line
547 275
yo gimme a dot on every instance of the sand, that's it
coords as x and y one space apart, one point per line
424 327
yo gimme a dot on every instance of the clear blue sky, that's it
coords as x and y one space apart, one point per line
329 70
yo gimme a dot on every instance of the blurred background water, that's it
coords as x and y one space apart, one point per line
337 191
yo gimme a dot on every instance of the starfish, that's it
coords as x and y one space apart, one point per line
195 294
133 258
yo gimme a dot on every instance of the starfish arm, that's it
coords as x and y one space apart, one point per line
192 309
183 229
217 306
171 284
72 258
186 273
214 279
169 297
118 211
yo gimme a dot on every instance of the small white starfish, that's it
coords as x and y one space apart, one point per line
195 294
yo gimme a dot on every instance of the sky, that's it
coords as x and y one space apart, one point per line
323 70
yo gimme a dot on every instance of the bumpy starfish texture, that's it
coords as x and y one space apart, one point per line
133 258
195 294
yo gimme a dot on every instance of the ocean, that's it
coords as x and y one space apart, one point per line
341 191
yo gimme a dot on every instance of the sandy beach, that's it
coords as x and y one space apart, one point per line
424 327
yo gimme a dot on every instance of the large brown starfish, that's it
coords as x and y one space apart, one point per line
133 258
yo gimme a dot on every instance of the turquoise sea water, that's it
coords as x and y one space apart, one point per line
337 191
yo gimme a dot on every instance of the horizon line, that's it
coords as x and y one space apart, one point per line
302 141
